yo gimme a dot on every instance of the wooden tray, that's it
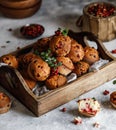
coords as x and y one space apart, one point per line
12 80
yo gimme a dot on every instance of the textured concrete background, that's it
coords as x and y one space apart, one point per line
53 14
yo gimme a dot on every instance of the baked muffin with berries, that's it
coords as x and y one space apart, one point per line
9 60
25 59
42 44
91 55
29 81
81 68
5 103
55 81
60 45
38 70
77 52
66 66
113 99
88 107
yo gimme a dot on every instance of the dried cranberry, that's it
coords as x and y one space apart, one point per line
63 109
106 92
114 51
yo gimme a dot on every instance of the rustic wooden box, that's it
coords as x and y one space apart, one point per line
12 81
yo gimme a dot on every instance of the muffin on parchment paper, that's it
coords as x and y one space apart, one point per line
9 60
38 70
91 55
66 66
55 81
60 45
25 59
5 103
81 68
77 52
29 81
42 44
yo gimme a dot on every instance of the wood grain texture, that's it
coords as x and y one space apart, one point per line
20 12
19 4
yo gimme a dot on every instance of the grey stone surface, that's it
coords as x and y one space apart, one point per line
53 14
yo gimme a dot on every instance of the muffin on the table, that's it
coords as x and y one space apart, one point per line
10 60
88 107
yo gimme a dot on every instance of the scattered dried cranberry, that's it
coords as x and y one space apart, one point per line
54 71
32 30
63 109
96 124
18 48
77 120
113 51
106 92
58 32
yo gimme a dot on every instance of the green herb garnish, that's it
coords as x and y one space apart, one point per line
61 31
114 82
65 32
47 57
94 98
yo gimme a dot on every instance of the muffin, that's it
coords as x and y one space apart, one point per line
38 70
9 60
91 55
29 81
60 45
5 103
42 44
55 81
66 66
81 68
77 52
113 99
25 59
88 107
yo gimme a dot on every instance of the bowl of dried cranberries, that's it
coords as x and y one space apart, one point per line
31 31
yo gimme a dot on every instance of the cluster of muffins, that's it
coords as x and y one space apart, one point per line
71 55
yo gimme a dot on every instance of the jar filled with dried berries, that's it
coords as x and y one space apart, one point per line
100 19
